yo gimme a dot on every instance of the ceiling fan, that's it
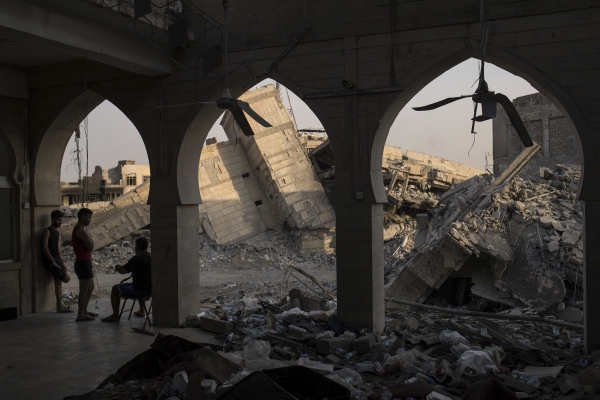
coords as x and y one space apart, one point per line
226 102
487 99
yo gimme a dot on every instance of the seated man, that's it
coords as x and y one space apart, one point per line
140 267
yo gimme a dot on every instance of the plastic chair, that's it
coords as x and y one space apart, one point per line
141 299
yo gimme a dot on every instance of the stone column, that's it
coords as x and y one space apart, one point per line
591 275
178 294
42 287
359 247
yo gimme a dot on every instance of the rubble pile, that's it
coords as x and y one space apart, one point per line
106 258
423 355
518 238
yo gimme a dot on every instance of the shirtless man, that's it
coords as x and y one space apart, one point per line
52 258
83 246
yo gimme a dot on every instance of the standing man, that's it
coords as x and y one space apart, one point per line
52 258
83 246
140 267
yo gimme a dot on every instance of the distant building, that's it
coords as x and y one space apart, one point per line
546 126
105 184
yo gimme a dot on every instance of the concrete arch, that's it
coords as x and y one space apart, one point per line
200 121
462 51
53 139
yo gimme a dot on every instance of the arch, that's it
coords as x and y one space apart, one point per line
200 121
462 51
49 149
53 139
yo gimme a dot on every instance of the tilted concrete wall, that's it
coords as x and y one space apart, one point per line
231 196
283 167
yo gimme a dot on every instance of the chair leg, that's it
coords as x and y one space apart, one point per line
132 307
147 311
122 308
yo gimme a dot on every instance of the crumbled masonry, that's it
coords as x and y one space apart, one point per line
427 354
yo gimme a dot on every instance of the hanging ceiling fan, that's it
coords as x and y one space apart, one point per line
487 99
226 102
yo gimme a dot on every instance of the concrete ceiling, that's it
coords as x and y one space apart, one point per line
40 32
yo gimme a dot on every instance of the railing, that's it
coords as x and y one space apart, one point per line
167 24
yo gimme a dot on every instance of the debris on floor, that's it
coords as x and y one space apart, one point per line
297 348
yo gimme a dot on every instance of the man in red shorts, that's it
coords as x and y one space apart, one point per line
52 258
83 246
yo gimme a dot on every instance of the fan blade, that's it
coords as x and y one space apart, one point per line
246 107
515 119
440 103
241 120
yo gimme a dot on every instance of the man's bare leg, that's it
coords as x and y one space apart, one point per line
115 302
58 292
84 287
89 296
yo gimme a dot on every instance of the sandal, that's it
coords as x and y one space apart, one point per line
85 319
137 314
65 311
109 319
91 314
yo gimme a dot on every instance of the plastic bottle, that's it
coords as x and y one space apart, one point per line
455 351
555 331
386 396
534 382
575 342
424 379
97 307
366 366
341 353
378 369
416 370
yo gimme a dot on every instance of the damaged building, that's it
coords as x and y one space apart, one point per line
512 240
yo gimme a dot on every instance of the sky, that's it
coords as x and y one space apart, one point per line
443 132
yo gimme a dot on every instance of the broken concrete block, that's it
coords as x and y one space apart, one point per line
570 237
296 332
546 221
215 325
363 344
330 345
306 302
568 383
553 246
572 314
331 359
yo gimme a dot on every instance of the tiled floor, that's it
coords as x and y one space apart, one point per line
50 356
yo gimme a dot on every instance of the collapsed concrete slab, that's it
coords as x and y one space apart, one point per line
122 216
491 227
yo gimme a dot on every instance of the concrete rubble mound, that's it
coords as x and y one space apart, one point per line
297 348
518 238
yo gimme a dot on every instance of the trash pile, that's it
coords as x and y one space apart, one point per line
299 349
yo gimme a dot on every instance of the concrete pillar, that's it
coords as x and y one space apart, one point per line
178 293
42 285
591 275
359 248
